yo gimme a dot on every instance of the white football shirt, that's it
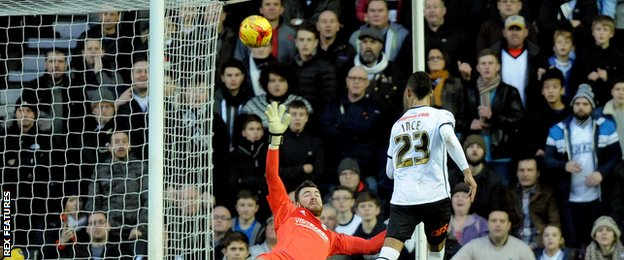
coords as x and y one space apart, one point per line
417 154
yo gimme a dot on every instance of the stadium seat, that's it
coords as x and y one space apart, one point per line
69 30
33 63
51 43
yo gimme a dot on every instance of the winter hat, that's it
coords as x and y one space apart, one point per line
474 139
584 90
348 163
606 221
372 33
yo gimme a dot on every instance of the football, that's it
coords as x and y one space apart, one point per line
255 31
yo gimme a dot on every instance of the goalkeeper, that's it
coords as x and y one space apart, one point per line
300 234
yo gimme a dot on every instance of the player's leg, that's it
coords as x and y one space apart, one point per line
437 217
400 228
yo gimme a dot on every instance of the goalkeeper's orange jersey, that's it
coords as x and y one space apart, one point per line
300 234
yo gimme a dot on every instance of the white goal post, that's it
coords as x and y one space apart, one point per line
179 65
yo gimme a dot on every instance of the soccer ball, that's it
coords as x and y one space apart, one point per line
255 31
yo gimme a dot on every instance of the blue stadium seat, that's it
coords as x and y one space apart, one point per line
33 63
69 30
51 43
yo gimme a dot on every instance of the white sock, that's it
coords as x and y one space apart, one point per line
388 253
436 255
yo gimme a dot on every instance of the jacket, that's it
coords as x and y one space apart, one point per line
489 194
317 80
507 113
299 149
607 151
542 210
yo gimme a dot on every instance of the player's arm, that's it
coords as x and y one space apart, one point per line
352 245
278 123
457 154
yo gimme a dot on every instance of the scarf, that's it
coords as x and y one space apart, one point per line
594 252
377 68
486 87
439 79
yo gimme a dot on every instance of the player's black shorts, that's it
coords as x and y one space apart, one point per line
435 216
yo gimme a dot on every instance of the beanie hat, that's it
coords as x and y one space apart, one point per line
460 187
584 90
606 221
348 163
474 139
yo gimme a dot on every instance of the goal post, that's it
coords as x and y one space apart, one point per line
170 48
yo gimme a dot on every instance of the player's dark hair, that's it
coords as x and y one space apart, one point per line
233 63
245 194
235 236
305 184
420 84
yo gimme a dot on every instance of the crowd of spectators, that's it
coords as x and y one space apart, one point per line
536 88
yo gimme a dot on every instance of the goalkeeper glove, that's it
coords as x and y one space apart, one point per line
278 122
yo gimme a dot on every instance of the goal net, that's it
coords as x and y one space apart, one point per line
85 85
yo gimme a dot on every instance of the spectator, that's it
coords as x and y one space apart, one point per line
222 223
67 229
342 199
368 206
226 40
490 191
100 244
247 205
349 176
572 15
119 186
332 46
491 30
495 111
498 244
235 246
551 109
132 108
386 80
519 59
394 10
606 242
554 245
565 59
329 217
25 173
532 206
615 109
93 70
441 35
297 12
230 98
602 61
448 91
463 226
116 41
259 59
301 152
393 34
270 240
98 125
582 160
247 164
353 126
316 76
278 82
283 42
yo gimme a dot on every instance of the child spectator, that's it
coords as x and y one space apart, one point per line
247 206
248 158
565 59
463 226
368 207
602 61
301 152
554 245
